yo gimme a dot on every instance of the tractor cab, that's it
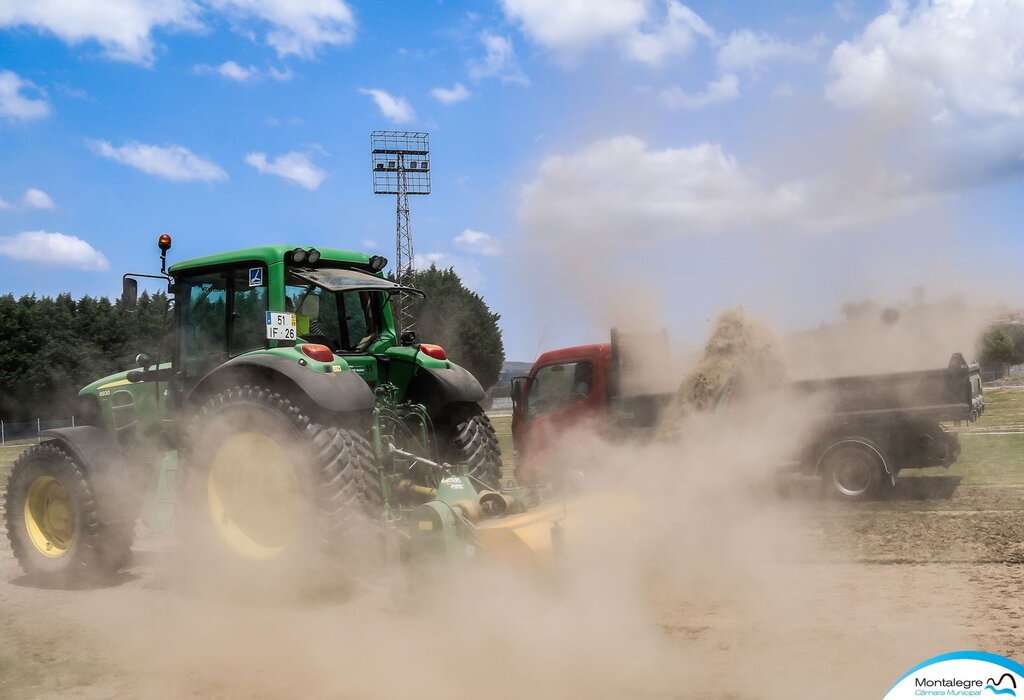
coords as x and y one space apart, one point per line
329 308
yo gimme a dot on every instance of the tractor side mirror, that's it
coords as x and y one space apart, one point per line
408 337
129 294
143 360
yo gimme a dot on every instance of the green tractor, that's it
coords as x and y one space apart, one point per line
285 416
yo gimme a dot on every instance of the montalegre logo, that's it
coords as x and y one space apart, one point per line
961 674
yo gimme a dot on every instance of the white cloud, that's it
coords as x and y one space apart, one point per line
369 244
296 27
575 25
293 166
747 50
477 242
499 61
396 109
55 249
4 204
943 82
15 103
676 34
956 56
37 199
451 95
122 27
233 71
570 27
171 162
721 90
619 186
245 74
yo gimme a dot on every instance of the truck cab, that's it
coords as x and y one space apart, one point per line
564 389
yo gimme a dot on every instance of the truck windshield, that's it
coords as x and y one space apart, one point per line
560 385
346 322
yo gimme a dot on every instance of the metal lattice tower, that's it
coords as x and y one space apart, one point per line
401 166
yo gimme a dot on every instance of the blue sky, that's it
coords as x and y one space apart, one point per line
593 162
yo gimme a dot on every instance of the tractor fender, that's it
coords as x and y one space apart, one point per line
437 388
114 485
336 392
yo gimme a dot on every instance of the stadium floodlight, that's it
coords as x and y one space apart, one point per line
400 162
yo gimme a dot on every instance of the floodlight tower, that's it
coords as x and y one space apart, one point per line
401 166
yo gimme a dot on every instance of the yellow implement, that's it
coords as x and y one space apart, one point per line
533 539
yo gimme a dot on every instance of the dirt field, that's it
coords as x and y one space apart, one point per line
936 568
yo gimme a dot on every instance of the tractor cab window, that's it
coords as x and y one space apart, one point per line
223 316
558 386
248 323
346 322
204 329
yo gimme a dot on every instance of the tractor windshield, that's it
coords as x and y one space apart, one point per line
340 279
337 308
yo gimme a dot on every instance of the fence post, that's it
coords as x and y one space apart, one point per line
39 431
72 421
3 437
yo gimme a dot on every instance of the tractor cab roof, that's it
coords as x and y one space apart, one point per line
268 255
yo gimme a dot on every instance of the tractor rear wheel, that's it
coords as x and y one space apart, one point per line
467 437
264 485
53 523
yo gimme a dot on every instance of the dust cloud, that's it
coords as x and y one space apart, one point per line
688 573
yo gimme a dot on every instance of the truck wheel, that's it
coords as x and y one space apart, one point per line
262 481
853 471
467 437
53 523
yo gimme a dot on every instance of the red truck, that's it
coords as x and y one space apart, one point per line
874 427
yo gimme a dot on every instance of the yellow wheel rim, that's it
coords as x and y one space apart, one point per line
50 517
253 494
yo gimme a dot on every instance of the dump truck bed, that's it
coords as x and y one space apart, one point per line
941 395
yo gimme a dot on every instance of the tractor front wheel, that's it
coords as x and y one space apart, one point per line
53 523
467 437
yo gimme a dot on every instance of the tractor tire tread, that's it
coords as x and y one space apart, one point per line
347 476
103 547
474 442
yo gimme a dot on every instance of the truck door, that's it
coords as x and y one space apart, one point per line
558 396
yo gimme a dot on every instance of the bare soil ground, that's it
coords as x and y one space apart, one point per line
937 567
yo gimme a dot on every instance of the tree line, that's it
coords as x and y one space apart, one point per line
1000 346
50 347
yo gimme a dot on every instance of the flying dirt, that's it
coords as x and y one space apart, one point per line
678 567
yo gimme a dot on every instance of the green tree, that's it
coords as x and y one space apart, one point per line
997 349
1016 333
51 347
458 319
